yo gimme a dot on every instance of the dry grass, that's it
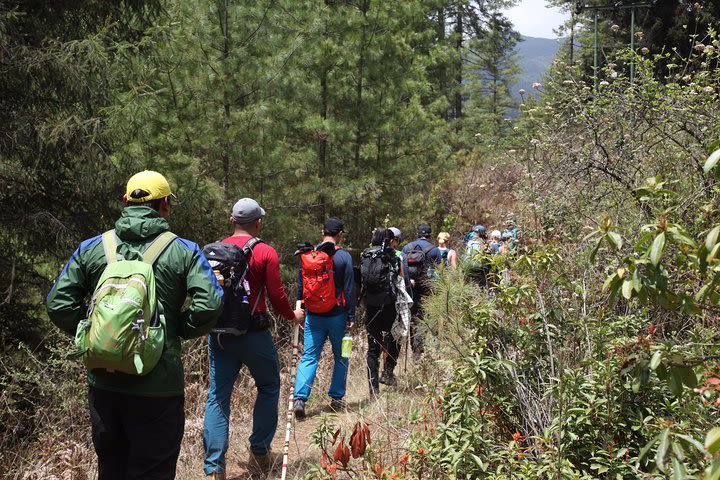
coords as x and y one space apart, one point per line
63 448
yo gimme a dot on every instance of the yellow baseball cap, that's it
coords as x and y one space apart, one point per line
151 185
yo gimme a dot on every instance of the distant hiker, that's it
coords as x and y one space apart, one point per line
326 285
506 238
395 241
511 229
474 264
137 277
380 267
395 244
495 242
250 270
420 257
448 256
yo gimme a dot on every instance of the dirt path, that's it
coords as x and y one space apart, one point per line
381 413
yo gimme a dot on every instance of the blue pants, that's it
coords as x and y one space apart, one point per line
317 329
255 350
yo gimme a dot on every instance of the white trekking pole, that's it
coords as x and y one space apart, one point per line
291 397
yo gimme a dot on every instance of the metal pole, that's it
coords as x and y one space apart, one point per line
595 54
632 45
291 397
572 37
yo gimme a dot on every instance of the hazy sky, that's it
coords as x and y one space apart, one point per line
533 19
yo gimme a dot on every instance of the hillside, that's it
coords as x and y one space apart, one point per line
535 55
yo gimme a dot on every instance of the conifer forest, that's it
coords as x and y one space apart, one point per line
593 354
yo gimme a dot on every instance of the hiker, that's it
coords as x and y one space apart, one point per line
420 257
473 261
328 316
511 228
506 239
251 344
448 256
380 267
395 240
136 410
395 244
495 242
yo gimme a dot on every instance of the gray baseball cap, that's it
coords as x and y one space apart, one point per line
247 210
396 232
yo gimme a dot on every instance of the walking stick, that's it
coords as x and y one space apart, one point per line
291 397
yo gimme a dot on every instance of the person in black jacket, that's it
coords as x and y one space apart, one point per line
379 268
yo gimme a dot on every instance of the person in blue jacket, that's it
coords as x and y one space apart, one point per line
331 325
421 286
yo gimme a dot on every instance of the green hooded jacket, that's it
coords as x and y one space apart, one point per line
180 272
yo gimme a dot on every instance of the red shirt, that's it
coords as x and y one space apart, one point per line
264 271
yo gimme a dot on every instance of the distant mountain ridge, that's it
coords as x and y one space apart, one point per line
535 56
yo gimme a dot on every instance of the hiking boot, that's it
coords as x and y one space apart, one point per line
216 476
299 409
374 391
338 405
388 378
264 462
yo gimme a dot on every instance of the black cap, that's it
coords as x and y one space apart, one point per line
424 229
333 226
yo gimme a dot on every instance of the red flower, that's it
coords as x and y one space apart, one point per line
421 451
517 436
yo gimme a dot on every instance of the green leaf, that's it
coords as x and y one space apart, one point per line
646 449
713 253
627 289
609 281
712 238
594 252
693 442
655 360
679 471
711 161
657 248
662 449
615 240
675 382
688 376
712 440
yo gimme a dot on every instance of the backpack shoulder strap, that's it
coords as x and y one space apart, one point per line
428 249
110 244
158 246
411 246
249 245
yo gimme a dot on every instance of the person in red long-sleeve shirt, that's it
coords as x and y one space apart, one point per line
254 349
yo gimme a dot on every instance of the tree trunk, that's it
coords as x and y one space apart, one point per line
225 155
459 61
322 143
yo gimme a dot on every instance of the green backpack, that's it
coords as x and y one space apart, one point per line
125 328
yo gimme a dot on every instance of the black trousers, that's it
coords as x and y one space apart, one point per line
417 333
378 322
136 437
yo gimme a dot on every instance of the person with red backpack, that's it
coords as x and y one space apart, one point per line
326 286
421 257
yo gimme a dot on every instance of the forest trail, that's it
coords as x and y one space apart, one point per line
386 416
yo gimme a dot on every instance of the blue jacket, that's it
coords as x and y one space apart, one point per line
344 284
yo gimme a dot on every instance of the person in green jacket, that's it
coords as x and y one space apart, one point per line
138 421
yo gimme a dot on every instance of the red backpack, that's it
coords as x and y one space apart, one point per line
318 281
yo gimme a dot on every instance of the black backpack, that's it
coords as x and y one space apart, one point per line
418 261
378 271
232 263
